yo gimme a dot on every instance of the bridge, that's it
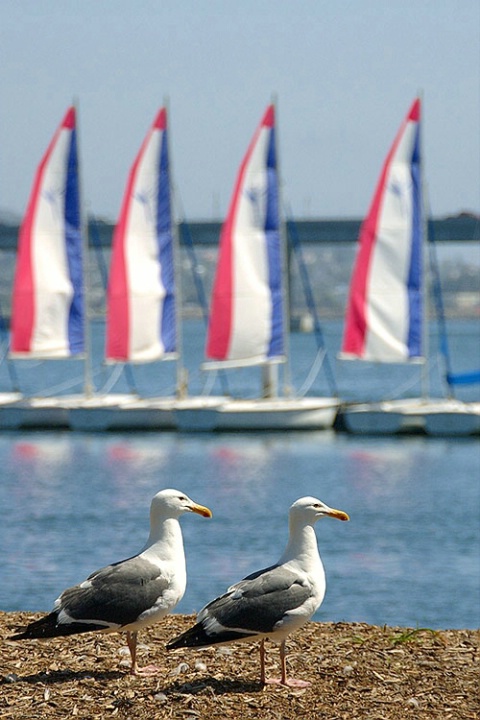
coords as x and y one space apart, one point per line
461 228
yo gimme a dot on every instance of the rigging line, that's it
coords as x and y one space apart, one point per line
440 310
188 243
314 370
112 379
68 384
307 288
450 378
410 383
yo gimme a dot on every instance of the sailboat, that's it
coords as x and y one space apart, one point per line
386 311
48 308
49 298
142 319
141 323
249 315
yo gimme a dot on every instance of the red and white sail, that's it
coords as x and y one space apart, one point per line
384 312
141 322
48 293
246 323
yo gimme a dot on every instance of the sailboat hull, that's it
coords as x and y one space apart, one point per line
432 417
35 413
453 419
123 413
259 415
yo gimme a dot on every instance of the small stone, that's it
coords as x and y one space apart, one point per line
160 698
225 651
413 702
182 668
200 666
348 669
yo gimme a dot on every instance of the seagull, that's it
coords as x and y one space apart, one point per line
273 602
132 594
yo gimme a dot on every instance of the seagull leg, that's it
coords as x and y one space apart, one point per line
134 669
284 680
262 661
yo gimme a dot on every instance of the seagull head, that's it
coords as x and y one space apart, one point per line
173 503
307 510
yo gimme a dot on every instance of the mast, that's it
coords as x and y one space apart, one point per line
424 372
180 370
270 371
87 363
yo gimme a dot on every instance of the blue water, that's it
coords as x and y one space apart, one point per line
409 556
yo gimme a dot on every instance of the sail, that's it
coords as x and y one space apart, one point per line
141 324
384 312
48 293
246 324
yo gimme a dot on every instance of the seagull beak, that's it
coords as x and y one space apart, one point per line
338 514
200 510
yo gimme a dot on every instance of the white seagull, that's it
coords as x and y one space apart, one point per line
133 593
273 602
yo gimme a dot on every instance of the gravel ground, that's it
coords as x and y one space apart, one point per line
357 671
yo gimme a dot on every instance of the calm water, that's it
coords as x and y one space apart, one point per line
410 555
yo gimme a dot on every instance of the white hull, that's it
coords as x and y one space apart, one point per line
433 417
98 413
135 414
125 413
453 419
35 413
7 398
258 415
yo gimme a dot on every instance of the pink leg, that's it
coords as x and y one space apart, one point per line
134 669
262 662
289 682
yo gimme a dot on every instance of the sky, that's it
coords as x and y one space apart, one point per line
343 75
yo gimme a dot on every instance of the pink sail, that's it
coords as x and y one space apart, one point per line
384 312
48 293
141 325
246 321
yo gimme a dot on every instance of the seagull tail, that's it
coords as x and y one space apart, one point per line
193 637
43 628
198 636
48 627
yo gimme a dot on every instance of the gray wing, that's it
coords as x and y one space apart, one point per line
116 594
260 601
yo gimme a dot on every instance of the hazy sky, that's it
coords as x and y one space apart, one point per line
344 73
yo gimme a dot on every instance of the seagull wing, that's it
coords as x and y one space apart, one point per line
116 595
257 605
